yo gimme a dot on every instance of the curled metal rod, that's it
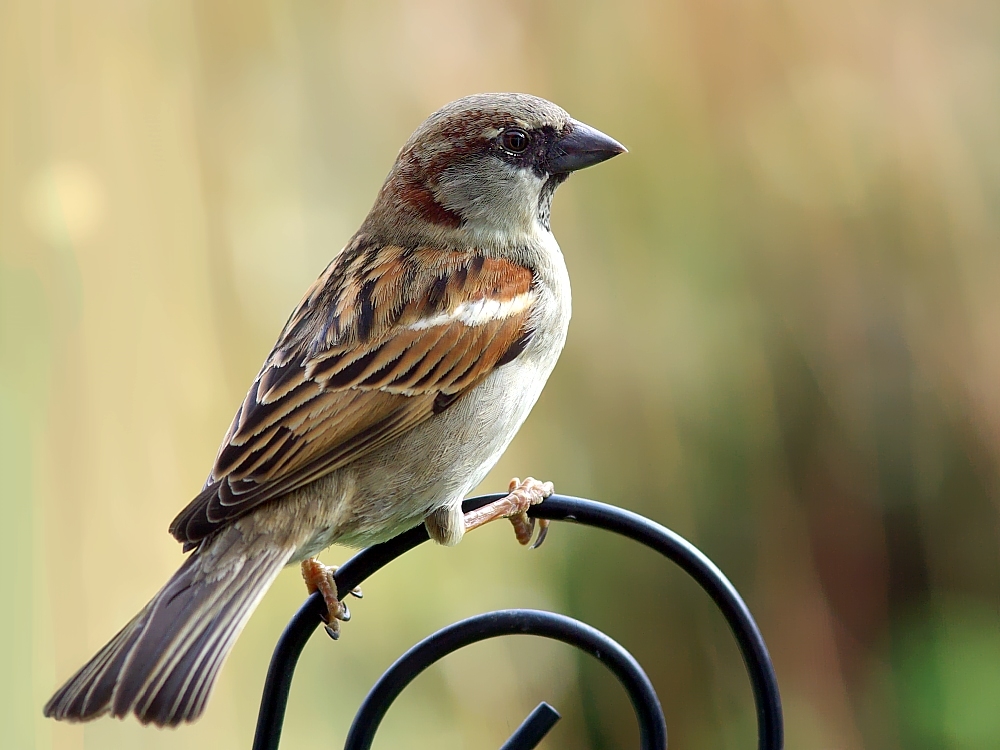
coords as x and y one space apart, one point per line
652 727
351 574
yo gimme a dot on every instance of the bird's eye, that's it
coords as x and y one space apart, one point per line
516 141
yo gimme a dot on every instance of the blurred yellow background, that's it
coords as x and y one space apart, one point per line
785 346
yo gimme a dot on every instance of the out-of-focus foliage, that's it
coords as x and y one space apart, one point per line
786 346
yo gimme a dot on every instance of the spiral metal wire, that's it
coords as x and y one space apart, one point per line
652 728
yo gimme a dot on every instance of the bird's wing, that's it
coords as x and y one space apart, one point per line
385 338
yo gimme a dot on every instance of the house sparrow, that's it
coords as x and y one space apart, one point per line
393 389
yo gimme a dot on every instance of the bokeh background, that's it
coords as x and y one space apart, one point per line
785 347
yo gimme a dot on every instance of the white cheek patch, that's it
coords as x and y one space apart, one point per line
477 312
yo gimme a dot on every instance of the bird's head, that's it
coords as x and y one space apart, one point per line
487 166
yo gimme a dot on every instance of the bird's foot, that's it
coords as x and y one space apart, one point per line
319 577
522 495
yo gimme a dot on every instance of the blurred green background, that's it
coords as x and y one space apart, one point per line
785 347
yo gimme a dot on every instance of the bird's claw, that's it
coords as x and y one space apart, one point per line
319 577
521 496
543 531
514 507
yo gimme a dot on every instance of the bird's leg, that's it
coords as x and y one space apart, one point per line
319 577
522 495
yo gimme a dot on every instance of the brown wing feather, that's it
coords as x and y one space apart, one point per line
383 340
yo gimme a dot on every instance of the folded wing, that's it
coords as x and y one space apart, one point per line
386 338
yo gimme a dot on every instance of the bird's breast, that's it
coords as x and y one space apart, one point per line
437 463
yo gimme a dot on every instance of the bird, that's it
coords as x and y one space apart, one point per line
394 387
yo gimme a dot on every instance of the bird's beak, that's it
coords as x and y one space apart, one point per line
582 146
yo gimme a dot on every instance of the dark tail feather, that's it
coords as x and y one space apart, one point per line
163 664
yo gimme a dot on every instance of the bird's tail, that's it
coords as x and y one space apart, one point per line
163 664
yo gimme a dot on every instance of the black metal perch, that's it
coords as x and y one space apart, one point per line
652 727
